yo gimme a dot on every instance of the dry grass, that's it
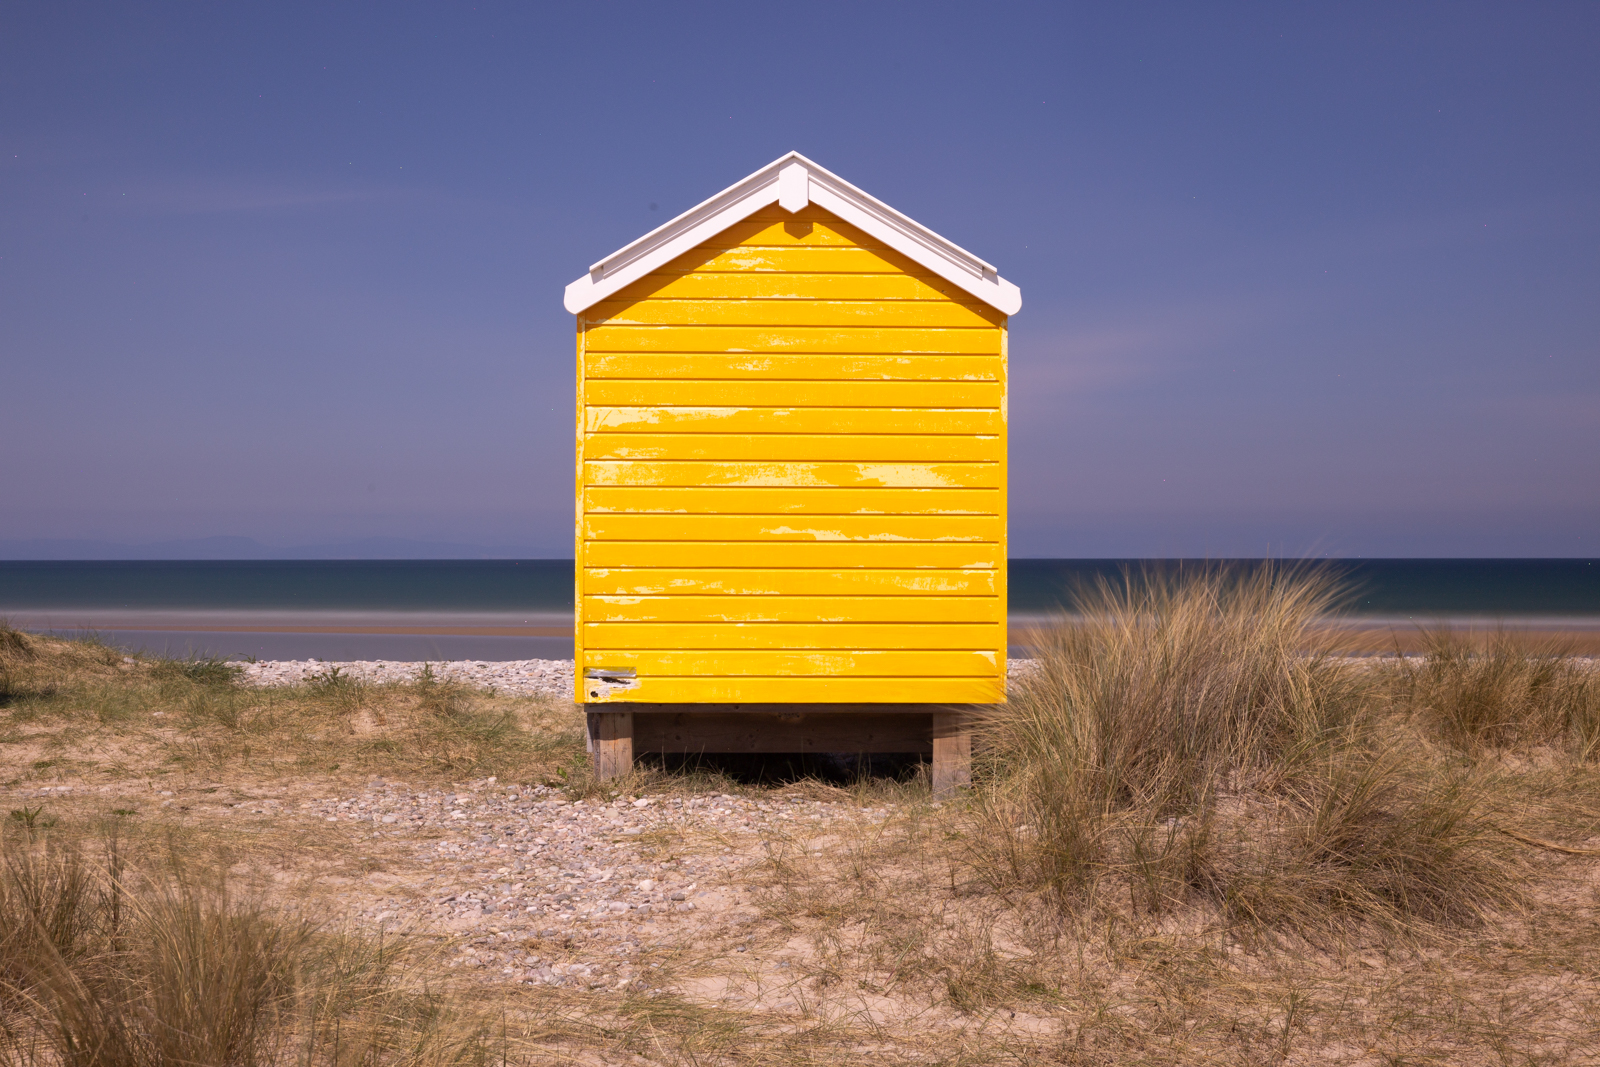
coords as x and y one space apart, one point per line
1505 690
1195 838
15 649
109 963
192 715
895 925
1187 743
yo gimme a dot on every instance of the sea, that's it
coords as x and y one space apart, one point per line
522 609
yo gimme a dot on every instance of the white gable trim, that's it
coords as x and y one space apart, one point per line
793 181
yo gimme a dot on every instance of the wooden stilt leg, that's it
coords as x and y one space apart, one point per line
952 752
611 743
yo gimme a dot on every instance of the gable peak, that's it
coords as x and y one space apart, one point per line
792 181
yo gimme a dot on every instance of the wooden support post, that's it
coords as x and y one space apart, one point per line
952 752
611 743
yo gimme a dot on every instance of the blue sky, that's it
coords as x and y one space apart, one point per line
1297 278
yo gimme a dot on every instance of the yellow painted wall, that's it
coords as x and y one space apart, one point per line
792 476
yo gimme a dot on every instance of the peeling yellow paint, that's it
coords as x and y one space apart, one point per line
791 476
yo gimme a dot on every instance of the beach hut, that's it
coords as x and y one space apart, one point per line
791 480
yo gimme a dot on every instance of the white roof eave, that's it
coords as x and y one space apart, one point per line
792 182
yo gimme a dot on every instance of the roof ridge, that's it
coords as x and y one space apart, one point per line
792 181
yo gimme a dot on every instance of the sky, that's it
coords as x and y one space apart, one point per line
1298 279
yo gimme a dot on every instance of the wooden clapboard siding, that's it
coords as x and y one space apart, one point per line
778 473
842 554
842 339
783 635
613 527
787 500
735 663
791 581
834 446
674 392
811 689
791 476
754 367
820 313
797 259
809 228
795 420
677 608
793 285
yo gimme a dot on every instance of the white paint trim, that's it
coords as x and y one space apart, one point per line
794 186
792 181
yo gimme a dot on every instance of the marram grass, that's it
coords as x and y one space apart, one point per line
1186 741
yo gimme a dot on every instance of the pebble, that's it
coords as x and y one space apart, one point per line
522 873
521 677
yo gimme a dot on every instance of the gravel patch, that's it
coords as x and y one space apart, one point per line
521 677
522 883
534 888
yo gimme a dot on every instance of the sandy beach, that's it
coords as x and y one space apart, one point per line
511 638
703 915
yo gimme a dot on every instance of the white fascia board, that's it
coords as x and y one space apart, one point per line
673 238
780 182
905 235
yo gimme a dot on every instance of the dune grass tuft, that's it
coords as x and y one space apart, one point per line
107 964
14 647
14 644
1186 741
1504 690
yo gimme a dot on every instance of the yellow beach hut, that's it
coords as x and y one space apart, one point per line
791 479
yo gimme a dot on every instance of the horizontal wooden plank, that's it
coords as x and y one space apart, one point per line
926 314
972 664
842 690
918 448
709 473
904 555
791 395
850 340
791 231
599 637
783 500
672 392
806 609
745 366
712 419
790 709
810 213
792 285
610 527
745 581
810 259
